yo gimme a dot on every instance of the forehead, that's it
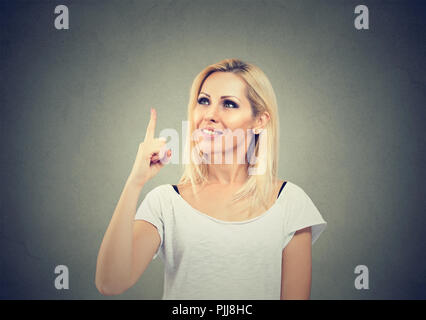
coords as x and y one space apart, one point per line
224 83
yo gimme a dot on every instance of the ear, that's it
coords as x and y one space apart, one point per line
262 120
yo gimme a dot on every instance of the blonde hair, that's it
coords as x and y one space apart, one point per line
259 187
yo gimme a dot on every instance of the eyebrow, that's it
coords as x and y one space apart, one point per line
221 96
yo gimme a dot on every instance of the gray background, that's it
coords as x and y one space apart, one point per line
75 105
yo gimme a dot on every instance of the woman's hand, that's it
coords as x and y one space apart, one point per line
151 156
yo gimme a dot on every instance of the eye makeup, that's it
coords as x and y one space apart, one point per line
226 102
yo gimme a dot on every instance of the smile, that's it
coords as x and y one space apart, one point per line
211 133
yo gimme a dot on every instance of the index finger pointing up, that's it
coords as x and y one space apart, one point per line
150 130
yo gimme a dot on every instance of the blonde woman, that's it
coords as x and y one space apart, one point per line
230 229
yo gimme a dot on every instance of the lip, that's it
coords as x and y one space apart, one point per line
218 133
212 129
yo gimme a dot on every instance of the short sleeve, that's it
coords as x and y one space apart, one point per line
302 214
150 210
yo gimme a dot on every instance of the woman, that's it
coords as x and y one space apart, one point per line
230 229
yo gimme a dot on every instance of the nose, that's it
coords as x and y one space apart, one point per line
212 113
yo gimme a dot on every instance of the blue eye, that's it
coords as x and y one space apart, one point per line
229 102
200 101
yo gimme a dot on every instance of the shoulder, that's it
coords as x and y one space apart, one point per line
292 193
297 199
159 192
183 186
279 183
294 189
185 190
285 184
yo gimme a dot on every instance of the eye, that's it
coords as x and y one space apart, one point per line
200 100
231 103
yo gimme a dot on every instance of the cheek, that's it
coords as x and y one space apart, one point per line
239 128
196 117
238 120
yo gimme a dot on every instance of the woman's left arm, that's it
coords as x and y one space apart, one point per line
296 270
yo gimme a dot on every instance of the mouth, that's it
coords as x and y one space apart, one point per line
209 133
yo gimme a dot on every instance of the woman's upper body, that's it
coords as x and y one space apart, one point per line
230 238
206 257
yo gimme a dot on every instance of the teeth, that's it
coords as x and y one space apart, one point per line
210 132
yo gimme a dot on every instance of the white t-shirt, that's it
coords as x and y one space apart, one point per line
208 258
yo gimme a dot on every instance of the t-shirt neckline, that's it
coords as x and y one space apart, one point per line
230 222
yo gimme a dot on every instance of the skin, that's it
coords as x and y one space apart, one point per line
226 114
296 271
124 255
235 112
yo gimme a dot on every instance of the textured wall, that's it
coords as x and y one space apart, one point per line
75 105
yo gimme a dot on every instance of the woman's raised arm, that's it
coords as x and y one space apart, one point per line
128 246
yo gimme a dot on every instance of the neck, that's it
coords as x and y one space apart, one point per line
227 173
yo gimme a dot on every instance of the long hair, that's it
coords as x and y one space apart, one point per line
259 186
